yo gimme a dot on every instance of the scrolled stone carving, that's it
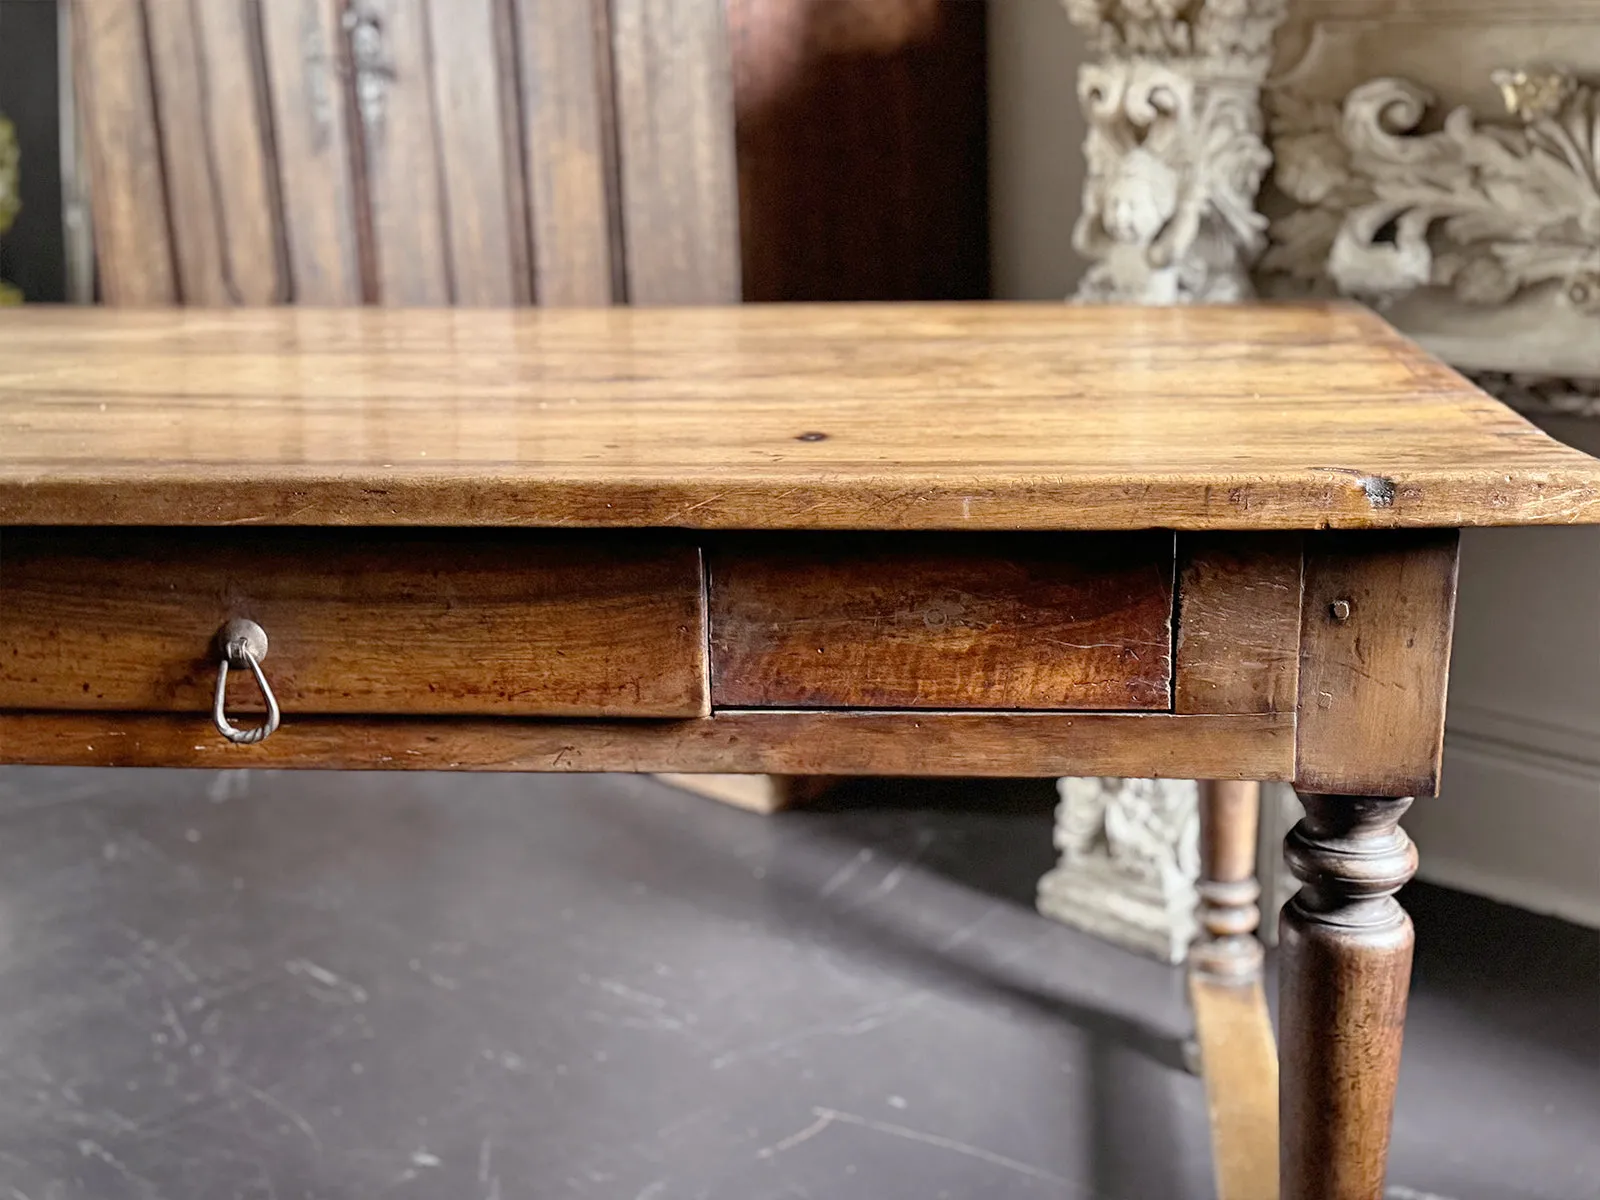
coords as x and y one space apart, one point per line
1542 395
1485 210
1174 151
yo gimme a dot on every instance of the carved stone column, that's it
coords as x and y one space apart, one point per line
1175 152
1129 860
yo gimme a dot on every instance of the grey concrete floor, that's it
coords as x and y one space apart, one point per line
285 985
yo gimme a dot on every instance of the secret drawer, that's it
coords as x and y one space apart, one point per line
366 621
1024 621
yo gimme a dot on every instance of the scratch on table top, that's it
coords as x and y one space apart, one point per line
306 969
90 1149
283 1109
845 873
623 991
863 1020
826 1117
169 1017
795 1139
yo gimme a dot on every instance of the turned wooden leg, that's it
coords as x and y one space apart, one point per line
1346 967
1233 1029
1230 814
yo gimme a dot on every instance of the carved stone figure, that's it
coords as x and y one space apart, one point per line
1174 152
1485 210
1129 861
1139 201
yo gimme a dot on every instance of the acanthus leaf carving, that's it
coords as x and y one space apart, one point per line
1485 210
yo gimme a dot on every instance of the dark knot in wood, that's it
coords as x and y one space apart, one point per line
1352 856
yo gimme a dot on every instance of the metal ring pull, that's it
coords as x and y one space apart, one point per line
241 644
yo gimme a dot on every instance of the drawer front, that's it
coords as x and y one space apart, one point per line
1010 622
359 621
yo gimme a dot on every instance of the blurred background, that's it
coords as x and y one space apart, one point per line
332 986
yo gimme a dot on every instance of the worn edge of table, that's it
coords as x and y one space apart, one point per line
774 742
931 501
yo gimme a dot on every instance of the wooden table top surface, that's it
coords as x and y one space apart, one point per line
980 416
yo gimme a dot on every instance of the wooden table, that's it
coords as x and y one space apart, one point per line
952 540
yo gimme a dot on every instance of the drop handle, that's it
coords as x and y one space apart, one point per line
242 645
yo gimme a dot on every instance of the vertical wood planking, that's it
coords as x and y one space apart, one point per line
675 134
239 145
481 208
508 59
300 46
394 105
862 148
563 117
123 148
224 210
178 84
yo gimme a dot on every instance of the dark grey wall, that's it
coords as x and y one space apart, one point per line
33 253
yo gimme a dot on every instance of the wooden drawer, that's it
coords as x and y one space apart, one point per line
360 621
1035 621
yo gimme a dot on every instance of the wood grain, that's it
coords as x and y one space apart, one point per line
122 147
1032 622
1374 661
1344 975
772 742
223 211
180 89
563 110
402 162
398 622
676 149
488 263
228 38
980 417
862 148
1230 817
1238 638
1240 1063
765 794
300 44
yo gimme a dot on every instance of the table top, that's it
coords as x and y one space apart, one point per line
941 416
